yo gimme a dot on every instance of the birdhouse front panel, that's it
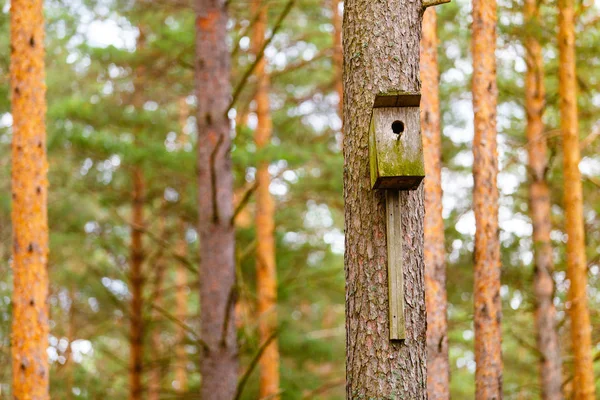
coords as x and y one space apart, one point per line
395 147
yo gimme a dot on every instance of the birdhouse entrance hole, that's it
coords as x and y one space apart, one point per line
397 127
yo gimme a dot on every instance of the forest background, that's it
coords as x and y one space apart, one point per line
96 108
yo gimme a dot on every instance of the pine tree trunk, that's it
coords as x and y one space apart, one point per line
381 54
338 56
155 373
438 369
573 197
181 279
69 363
136 281
29 339
488 308
539 205
219 365
266 271
181 312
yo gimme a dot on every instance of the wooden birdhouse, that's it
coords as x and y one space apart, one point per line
395 146
396 163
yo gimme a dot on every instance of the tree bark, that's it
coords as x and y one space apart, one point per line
29 339
215 206
438 369
381 54
136 280
266 269
488 308
539 205
573 198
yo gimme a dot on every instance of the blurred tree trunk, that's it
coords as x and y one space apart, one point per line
181 311
338 55
219 367
266 270
136 257
71 329
155 375
539 205
573 197
488 308
30 372
181 279
136 280
438 369
381 54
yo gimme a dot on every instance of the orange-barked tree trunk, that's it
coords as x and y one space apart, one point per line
219 365
266 271
581 330
29 202
136 282
438 369
488 308
539 208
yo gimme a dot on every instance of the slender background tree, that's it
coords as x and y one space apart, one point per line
219 366
539 205
488 308
581 330
438 368
29 189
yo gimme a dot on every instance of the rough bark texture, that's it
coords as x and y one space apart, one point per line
438 369
539 207
219 364
136 282
381 54
488 308
573 198
181 313
29 202
266 271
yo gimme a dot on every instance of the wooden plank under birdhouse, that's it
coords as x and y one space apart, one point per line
395 273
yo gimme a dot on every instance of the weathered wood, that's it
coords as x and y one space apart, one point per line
395 272
396 158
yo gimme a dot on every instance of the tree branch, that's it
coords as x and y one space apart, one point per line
430 3
261 53
253 363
